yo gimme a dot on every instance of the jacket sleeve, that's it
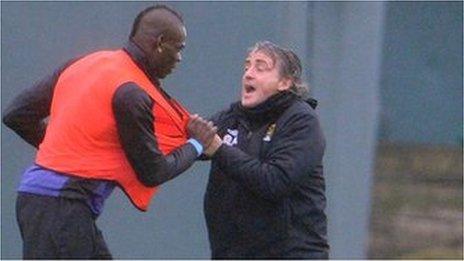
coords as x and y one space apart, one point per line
296 150
26 114
132 109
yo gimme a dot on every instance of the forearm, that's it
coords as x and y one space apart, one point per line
265 179
132 109
178 161
26 115
33 132
153 168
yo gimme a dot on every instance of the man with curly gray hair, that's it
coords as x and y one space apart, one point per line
266 191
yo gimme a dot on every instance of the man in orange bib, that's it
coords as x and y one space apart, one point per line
110 124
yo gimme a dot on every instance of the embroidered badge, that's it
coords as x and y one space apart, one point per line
270 131
231 138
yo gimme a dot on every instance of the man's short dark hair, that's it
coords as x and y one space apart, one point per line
139 17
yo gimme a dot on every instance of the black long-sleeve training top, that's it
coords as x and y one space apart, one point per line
132 108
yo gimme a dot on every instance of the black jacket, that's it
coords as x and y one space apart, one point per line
266 192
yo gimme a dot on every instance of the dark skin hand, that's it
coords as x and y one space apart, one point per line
202 130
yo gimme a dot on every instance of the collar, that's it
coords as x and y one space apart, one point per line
139 57
269 110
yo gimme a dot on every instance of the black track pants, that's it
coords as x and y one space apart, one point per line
58 228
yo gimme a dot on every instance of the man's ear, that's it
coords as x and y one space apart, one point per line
284 84
159 43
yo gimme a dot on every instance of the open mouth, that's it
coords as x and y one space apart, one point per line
249 89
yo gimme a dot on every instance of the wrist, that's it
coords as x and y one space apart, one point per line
197 145
213 147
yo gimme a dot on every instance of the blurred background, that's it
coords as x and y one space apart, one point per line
388 77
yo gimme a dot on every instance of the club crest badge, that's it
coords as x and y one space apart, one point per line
270 131
231 137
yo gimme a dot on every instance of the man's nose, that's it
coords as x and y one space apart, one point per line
249 74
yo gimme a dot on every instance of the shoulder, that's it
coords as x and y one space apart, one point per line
300 109
300 122
299 118
132 96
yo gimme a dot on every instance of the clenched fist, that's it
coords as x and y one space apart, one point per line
201 130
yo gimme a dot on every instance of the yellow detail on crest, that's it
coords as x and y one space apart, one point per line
270 131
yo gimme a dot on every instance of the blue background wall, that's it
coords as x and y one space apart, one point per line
421 83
